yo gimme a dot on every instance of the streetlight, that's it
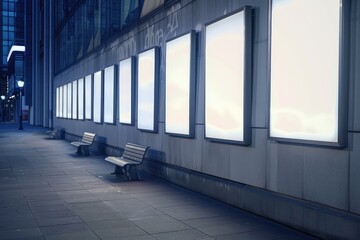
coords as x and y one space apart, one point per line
2 109
21 85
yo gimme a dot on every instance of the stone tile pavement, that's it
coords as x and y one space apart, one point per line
48 192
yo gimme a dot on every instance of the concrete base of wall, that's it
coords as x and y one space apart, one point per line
315 219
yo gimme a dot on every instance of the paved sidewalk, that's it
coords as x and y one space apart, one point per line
48 192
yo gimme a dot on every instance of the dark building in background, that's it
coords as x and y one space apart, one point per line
12 33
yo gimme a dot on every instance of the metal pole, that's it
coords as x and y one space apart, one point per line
3 111
21 124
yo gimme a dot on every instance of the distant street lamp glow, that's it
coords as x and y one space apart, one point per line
21 85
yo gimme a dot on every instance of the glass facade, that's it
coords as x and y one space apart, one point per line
83 25
12 32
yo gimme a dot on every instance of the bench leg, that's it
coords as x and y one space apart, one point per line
86 150
137 173
83 150
79 150
118 170
133 173
127 172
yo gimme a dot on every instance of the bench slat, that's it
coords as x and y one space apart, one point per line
135 155
135 159
88 137
136 147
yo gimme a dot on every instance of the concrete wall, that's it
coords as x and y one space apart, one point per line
310 174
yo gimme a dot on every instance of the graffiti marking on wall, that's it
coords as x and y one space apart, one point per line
127 48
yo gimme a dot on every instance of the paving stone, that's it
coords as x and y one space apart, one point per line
29 233
119 232
48 192
180 235
64 228
43 222
154 227
87 234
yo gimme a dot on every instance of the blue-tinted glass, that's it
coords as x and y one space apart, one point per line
11 21
5 35
11 7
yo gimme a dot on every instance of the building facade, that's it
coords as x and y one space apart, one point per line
304 180
12 33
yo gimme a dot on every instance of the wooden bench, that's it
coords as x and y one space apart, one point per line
56 133
83 145
133 156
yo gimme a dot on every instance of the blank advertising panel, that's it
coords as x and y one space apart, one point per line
65 102
126 91
74 99
109 94
69 101
305 70
81 99
57 101
88 97
147 90
61 101
228 78
97 97
179 90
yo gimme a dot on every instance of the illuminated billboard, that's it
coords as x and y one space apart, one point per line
109 94
74 99
88 97
305 71
148 72
126 90
61 101
65 100
228 78
97 108
180 85
81 99
69 101
57 101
